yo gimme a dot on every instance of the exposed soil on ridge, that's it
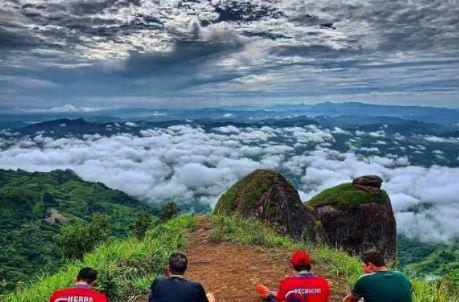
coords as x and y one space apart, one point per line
232 271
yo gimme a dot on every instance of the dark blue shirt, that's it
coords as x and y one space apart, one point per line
176 289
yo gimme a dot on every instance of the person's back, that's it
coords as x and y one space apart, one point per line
77 293
383 286
379 284
176 289
82 291
303 287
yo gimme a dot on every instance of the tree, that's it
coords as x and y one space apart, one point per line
141 224
79 238
168 211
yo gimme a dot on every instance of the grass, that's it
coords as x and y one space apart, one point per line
337 263
346 194
127 267
434 291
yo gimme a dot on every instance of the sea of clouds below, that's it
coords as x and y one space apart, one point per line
188 163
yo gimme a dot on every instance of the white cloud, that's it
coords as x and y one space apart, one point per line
187 163
436 139
310 134
379 133
68 108
227 129
337 130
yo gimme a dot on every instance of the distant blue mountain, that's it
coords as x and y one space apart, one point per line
349 113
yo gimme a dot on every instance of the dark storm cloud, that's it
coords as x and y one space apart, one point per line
107 48
14 40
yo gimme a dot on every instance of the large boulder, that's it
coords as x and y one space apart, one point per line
266 195
370 183
357 217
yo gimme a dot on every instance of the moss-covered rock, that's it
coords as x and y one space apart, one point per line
347 194
268 196
246 192
357 216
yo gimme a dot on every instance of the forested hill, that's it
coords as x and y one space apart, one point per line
33 207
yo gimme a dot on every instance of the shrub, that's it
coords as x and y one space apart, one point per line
79 238
141 224
168 211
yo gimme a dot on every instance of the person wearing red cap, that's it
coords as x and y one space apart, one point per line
82 291
302 286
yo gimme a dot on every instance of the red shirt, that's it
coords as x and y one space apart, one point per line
79 293
302 288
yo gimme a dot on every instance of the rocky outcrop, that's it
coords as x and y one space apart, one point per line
370 183
268 196
353 216
357 217
56 217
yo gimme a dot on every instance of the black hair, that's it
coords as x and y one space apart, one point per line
374 257
303 267
178 263
87 274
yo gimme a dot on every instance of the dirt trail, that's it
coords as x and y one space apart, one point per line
232 271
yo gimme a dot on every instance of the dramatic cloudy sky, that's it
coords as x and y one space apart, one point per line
97 53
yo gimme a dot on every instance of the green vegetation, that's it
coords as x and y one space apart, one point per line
77 239
168 211
434 290
440 262
143 222
127 266
33 206
434 261
244 193
338 263
346 194
413 251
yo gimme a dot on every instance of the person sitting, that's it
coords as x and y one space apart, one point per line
301 286
379 284
82 291
175 288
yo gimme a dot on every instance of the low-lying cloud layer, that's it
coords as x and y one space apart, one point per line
187 163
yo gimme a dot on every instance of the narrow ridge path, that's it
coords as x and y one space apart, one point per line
232 271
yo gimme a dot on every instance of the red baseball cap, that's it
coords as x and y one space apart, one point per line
300 258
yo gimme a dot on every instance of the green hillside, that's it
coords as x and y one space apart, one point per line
126 267
345 194
440 262
33 206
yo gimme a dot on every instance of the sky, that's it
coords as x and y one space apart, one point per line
170 53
